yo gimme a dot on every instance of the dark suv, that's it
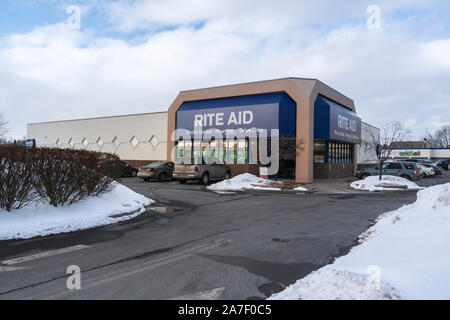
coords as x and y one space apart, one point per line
407 170
444 164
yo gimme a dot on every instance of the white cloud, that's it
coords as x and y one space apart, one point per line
128 15
53 73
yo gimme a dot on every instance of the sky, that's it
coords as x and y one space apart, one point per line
134 56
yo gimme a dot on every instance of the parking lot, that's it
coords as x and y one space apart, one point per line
196 243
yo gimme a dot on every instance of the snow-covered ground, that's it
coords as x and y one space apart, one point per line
393 183
43 220
405 255
300 189
247 181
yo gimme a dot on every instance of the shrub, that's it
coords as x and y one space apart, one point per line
66 176
16 178
57 176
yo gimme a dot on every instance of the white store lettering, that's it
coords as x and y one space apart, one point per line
346 123
217 119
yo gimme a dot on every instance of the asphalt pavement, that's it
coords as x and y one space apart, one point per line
197 244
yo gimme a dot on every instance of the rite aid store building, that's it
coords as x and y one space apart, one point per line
318 128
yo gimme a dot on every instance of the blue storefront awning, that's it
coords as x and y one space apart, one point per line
333 121
263 111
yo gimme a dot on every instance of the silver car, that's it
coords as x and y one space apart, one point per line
207 170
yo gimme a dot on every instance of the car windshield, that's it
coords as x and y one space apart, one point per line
199 160
409 166
152 165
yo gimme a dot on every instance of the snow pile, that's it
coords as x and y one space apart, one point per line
248 181
373 183
407 249
245 181
43 220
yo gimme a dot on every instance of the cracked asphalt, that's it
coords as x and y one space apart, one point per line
193 240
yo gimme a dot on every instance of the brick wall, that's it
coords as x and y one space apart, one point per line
333 170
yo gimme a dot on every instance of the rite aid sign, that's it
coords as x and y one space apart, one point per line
335 122
231 120
241 114
344 126
219 119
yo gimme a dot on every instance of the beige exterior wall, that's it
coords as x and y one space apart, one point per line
161 125
142 126
303 91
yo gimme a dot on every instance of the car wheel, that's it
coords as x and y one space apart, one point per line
134 173
205 178
181 181
364 175
227 175
162 176
406 177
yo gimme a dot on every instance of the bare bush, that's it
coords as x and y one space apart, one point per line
16 178
56 176
66 176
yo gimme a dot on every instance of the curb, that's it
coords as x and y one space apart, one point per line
129 213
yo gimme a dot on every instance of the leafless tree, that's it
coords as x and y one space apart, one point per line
390 134
3 126
440 139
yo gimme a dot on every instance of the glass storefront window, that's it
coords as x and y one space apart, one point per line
180 149
234 151
231 151
197 149
242 155
320 152
319 158
205 148
187 148
213 149
338 153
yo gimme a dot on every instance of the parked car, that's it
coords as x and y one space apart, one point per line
427 171
437 170
203 171
110 166
444 164
156 170
407 170
127 170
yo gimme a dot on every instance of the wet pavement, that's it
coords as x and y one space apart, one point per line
192 240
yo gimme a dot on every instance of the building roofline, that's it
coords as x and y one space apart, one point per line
97 118
330 87
370 125
248 82
268 80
